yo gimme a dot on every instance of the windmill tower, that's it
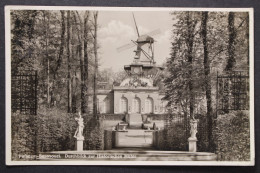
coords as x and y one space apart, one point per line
144 52
143 67
145 47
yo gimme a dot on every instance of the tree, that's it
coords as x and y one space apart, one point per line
23 39
46 18
62 42
84 106
68 62
191 24
83 53
207 74
96 64
183 68
231 47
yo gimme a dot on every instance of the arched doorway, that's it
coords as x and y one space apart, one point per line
136 105
149 105
123 105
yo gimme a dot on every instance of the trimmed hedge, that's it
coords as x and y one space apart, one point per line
173 138
52 130
94 133
232 134
22 135
108 140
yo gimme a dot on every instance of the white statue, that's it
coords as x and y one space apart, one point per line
193 127
79 132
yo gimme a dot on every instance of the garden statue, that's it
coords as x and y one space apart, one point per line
193 139
79 133
193 128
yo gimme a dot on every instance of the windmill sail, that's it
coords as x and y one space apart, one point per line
136 26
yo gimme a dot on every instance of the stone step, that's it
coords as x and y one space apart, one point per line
133 138
135 125
135 120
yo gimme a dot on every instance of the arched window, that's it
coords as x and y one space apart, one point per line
149 105
123 105
99 109
161 107
136 105
106 104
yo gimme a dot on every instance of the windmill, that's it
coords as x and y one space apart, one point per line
145 46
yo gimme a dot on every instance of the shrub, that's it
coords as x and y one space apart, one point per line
52 130
23 135
94 133
232 136
172 138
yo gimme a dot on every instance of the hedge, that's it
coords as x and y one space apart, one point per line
172 138
232 136
52 130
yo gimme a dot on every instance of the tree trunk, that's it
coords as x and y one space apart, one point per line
84 106
96 66
74 97
231 41
46 21
190 39
81 57
68 59
207 76
247 37
62 42
82 69
82 37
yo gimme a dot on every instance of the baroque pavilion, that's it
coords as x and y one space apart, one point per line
138 93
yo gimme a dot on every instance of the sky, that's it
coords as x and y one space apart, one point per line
117 29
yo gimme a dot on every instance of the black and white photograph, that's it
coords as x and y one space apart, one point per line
129 86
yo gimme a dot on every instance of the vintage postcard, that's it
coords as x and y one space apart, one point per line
129 86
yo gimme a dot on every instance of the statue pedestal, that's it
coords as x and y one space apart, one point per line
80 144
192 144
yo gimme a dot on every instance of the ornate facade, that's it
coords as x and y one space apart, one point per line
136 94
139 92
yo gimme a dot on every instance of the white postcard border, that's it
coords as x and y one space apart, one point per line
166 163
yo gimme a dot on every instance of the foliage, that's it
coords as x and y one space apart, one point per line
38 42
94 134
23 39
182 85
23 135
52 130
202 134
108 139
177 76
172 138
233 136
111 77
176 137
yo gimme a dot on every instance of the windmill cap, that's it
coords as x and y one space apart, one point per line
145 38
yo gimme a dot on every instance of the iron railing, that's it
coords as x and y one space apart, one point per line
24 92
